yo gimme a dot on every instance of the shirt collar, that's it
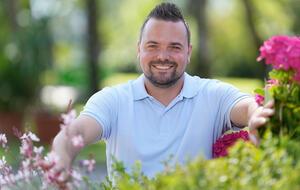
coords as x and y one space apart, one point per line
189 89
139 90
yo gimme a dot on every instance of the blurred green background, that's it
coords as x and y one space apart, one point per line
52 51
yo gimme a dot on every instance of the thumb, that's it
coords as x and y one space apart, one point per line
253 136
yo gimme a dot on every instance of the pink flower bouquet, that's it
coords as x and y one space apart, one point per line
220 148
283 53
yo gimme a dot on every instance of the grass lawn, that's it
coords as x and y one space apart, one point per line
246 85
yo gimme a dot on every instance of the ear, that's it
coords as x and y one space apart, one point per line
138 50
189 53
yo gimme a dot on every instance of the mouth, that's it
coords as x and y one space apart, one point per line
162 67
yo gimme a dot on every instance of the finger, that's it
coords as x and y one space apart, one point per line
269 104
256 123
254 138
266 112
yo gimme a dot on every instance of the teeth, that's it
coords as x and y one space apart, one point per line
163 67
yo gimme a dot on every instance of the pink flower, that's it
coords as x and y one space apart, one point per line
221 145
38 150
3 139
26 148
259 99
30 135
90 164
2 162
2 181
282 52
76 177
68 118
51 159
77 141
272 82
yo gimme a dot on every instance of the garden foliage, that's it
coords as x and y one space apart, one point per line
275 164
246 167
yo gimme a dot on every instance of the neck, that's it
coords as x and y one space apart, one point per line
164 95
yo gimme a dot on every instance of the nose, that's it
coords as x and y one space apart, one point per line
163 55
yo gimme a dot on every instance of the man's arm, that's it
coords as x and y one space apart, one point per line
246 112
87 127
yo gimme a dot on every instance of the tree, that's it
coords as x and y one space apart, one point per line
249 9
12 7
93 44
198 11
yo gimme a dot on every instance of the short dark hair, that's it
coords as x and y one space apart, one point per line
167 12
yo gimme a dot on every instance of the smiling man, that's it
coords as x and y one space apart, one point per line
165 111
164 51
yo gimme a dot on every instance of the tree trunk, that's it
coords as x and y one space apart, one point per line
198 11
256 39
12 14
93 45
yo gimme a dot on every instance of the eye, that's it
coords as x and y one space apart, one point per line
152 46
176 47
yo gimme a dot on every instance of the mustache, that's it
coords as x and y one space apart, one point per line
163 62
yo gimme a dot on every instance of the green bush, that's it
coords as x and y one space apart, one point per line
246 167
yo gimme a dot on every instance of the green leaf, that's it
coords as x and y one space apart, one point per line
267 95
259 91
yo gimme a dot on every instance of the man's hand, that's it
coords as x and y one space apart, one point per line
63 146
258 119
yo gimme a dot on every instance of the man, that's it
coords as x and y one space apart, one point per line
165 111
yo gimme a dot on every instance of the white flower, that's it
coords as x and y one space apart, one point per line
2 162
45 185
24 174
77 141
2 181
25 148
76 177
3 138
26 163
33 137
10 178
90 164
69 117
38 150
30 135
52 158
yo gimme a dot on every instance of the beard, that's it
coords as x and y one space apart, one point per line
163 79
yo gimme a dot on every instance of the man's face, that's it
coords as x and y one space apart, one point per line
163 52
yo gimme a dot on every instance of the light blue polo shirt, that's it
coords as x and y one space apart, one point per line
138 127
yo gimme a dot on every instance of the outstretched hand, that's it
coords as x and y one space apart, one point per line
258 119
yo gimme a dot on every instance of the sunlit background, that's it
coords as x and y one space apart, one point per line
52 51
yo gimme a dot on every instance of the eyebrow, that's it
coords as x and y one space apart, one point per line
172 43
176 44
152 42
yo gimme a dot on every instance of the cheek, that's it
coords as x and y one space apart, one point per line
181 59
145 58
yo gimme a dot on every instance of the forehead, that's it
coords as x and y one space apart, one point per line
164 31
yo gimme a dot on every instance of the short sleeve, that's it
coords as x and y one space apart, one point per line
102 106
228 97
